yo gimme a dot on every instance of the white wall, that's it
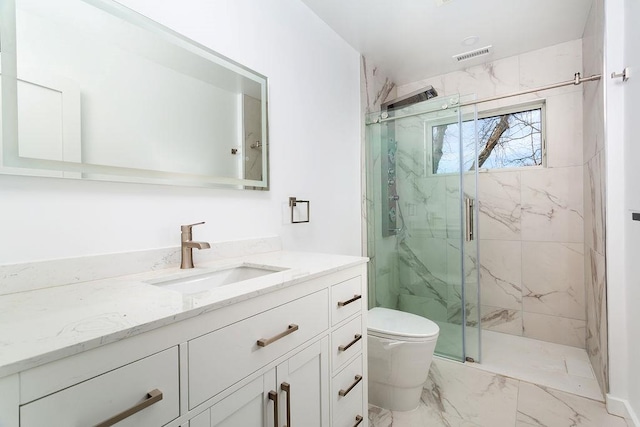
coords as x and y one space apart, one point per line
314 113
632 171
632 195
623 272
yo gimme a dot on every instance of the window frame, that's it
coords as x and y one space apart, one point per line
492 112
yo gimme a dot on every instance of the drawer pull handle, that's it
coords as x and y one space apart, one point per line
153 396
356 338
263 342
359 419
343 393
349 301
274 397
286 387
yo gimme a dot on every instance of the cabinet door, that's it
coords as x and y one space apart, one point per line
303 385
248 406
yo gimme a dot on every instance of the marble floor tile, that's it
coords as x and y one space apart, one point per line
422 416
380 417
455 392
458 395
579 368
544 407
557 366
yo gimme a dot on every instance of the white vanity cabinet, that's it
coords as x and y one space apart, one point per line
306 388
223 357
293 356
293 393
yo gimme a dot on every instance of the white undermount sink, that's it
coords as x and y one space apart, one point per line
214 279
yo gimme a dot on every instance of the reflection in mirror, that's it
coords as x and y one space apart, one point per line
91 89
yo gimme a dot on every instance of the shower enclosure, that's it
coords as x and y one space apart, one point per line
421 188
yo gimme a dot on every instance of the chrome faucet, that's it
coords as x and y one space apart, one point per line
188 245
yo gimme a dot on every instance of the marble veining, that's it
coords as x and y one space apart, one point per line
545 407
40 326
499 205
376 88
552 205
461 395
501 273
428 280
495 318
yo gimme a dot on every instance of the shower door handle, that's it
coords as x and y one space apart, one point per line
468 203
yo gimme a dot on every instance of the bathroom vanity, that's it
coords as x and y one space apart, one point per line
284 348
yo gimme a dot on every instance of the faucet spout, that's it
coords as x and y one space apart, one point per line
188 245
197 245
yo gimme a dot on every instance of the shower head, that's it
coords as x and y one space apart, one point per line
411 98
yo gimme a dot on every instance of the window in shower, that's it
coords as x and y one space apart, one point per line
508 138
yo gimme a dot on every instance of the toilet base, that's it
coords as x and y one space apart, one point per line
394 398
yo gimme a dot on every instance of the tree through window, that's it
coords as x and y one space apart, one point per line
504 141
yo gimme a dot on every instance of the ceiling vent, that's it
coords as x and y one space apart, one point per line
472 54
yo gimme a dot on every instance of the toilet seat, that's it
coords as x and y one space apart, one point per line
398 325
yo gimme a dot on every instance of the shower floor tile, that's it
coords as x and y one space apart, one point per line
551 365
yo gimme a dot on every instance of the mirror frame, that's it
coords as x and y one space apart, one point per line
12 163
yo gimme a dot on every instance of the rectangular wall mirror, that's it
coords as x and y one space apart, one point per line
93 90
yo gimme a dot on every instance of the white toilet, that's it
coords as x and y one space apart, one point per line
400 351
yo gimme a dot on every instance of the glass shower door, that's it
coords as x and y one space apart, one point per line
416 218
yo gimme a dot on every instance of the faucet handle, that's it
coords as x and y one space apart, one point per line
187 228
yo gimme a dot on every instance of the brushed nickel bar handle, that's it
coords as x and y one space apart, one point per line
343 393
469 219
263 342
349 301
359 419
356 338
274 397
286 387
152 397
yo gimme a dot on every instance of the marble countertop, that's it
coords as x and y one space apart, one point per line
41 326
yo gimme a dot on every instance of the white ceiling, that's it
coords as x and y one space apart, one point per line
413 39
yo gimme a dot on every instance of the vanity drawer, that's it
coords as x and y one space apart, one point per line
223 357
346 299
346 342
347 394
103 397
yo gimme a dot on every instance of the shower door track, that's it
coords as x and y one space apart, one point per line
577 80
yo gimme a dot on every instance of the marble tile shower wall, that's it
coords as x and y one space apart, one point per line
531 226
594 197
375 88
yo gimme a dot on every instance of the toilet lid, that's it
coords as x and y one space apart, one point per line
384 321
